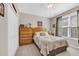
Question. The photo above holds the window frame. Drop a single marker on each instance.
(69, 23)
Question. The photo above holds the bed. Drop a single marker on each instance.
(48, 44)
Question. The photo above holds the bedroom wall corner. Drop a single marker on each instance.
(13, 33)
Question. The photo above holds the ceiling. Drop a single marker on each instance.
(40, 9)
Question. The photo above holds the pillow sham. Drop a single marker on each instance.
(42, 34)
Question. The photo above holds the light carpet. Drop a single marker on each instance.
(32, 50)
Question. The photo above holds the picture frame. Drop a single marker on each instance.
(39, 23)
(53, 25)
(13, 5)
(2, 9)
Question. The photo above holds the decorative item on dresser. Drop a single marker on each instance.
(25, 36)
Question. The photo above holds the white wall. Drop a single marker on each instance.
(13, 33)
(3, 34)
(26, 18)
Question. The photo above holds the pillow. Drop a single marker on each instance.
(42, 34)
(37, 33)
(46, 33)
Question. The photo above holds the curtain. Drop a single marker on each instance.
(58, 26)
(78, 23)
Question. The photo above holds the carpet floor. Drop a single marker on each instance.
(32, 50)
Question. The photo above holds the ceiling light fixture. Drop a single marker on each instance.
(50, 5)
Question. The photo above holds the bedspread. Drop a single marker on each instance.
(49, 43)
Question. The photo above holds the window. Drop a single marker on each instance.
(73, 26)
(65, 22)
(65, 26)
(74, 32)
(68, 26)
(64, 31)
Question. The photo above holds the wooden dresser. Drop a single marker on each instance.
(25, 36)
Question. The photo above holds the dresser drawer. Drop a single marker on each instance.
(25, 32)
(24, 40)
(25, 36)
(29, 41)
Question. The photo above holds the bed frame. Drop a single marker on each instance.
(53, 52)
